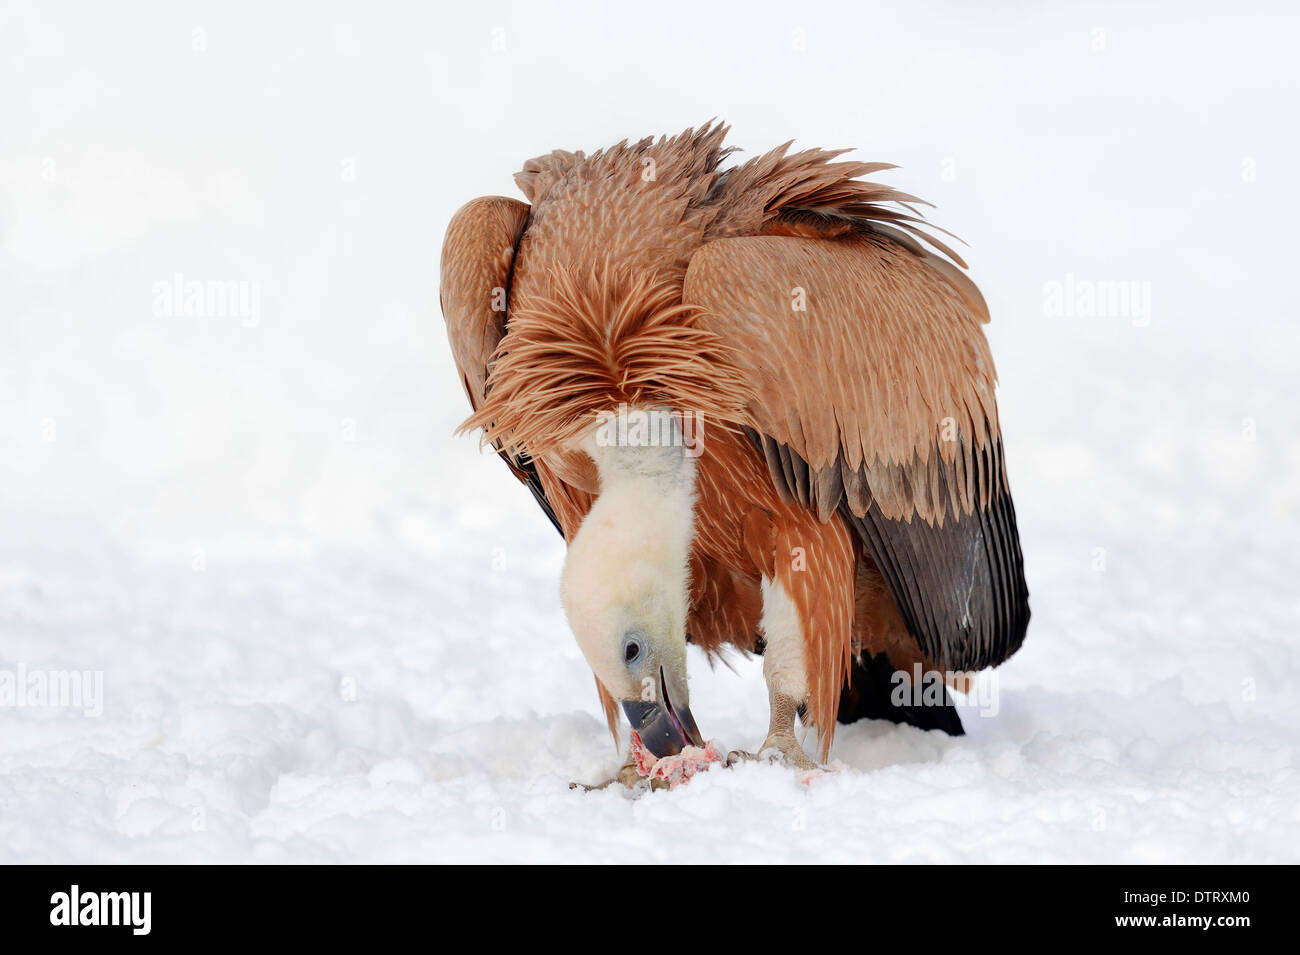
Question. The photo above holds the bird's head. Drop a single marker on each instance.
(625, 585)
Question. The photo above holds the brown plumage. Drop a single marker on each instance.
(851, 450)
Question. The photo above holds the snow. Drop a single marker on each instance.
(329, 631)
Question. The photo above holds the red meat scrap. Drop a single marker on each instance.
(674, 770)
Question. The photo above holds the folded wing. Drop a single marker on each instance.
(874, 399)
(477, 256)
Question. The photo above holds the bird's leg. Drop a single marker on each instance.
(627, 775)
(780, 734)
(785, 670)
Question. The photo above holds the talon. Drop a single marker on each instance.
(597, 787)
(788, 751)
(626, 776)
(737, 756)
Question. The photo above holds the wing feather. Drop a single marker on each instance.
(874, 399)
(477, 257)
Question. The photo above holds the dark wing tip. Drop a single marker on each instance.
(960, 587)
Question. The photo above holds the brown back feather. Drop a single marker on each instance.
(603, 339)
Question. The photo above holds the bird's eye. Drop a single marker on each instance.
(631, 650)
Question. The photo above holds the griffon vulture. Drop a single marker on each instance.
(759, 410)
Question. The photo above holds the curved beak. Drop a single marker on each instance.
(665, 726)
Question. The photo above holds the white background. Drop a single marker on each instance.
(329, 630)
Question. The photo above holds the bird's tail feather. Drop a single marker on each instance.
(873, 693)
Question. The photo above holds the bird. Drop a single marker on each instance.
(757, 402)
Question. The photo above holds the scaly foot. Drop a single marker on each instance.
(787, 751)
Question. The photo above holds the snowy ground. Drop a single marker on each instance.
(329, 631)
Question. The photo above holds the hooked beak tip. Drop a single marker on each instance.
(664, 727)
